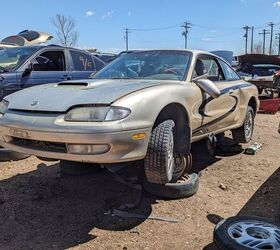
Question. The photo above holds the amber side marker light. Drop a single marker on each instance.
(139, 136)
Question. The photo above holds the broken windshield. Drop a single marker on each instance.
(157, 65)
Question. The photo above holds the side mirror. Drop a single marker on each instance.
(28, 70)
(209, 87)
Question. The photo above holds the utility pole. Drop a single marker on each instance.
(252, 39)
(278, 38)
(271, 37)
(186, 26)
(126, 38)
(264, 33)
(246, 28)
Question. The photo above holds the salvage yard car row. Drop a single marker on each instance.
(145, 105)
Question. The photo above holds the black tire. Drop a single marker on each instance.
(185, 187)
(8, 155)
(45, 159)
(245, 132)
(226, 235)
(159, 160)
(78, 168)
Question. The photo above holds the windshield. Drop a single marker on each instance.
(158, 65)
(12, 57)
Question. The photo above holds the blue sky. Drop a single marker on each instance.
(217, 24)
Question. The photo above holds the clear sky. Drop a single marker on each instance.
(217, 24)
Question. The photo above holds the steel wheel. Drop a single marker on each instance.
(255, 234)
(249, 124)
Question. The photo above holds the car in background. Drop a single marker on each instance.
(25, 38)
(259, 70)
(146, 105)
(27, 66)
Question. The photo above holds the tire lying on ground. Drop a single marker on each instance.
(159, 160)
(186, 186)
(245, 132)
(78, 168)
(8, 155)
(246, 232)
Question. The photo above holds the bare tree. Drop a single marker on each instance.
(258, 48)
(66, 32)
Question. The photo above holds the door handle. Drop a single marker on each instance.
(231, 91)
(66, 77)
(2, 78)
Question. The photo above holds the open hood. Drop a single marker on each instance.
(253, 59)
(27, 38)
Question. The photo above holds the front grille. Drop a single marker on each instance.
(40, 145)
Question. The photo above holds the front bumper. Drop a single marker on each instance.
(46, 142)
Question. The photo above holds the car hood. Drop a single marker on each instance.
(258, 59)
(60, 97)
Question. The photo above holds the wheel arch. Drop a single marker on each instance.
(177, 113)
(253, 104)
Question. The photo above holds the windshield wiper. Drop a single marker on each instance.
(123, 77)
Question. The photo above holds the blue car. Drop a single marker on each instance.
(23, 67)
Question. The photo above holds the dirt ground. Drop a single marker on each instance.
(40, 209)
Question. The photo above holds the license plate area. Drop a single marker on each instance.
(14, 132)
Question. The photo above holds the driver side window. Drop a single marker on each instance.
(50, 61)
(209, 68)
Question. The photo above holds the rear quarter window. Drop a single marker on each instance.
(82, 61)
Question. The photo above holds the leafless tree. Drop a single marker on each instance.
(258, 49)
(66, 32)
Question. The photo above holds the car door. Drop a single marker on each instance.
(8, 83)
(216, 113)
(83, 64)
(49, 66)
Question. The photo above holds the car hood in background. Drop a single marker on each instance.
(60, 97)
(258, 59)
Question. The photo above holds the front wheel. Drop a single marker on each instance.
(245, 132)
(159, 161)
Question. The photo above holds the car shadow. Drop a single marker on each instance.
(263, 203)
(42, 210)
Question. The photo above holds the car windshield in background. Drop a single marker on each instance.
(12, 57)
(157, 65)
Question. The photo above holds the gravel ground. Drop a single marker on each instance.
(42, 209)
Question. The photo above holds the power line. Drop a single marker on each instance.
(264, 33)
(271, 37)
(126, 38)
(185, 33)
(277, 37)
(246, 28)
(159, 28)
(252, 39)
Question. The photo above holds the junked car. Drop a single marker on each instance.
(260, 70)
(147, 105)
(25, 38)
(27, 66)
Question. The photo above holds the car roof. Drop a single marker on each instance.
(193, 51)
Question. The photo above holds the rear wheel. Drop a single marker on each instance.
(159, 161)
(245, 132)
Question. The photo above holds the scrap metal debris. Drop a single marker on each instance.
(125, 214)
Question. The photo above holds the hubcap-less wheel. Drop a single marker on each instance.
(255, 234)
(249, 124)
(170, 157)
